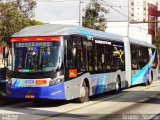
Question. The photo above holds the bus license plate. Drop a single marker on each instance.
(30, 96)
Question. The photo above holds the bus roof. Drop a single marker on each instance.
(141, 42)
(59, 29)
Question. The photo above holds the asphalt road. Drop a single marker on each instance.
(136, 103)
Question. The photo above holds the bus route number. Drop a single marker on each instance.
(29, 82)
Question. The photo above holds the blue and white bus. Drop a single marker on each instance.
(64, 62)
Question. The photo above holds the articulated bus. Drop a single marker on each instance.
(64, 62)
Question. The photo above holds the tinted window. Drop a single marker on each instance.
(109, 56)
(140, 56)
(71, 53)
(100, 47)
(155, 62)
(38, 56)
(118, 56)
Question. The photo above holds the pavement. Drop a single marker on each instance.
(139, 100)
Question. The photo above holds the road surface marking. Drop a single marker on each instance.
(122, 94)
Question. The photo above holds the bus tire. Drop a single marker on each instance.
(84, 93)
(147, 82)
(118, 85)
(151, 80)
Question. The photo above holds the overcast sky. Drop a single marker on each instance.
(49, 10)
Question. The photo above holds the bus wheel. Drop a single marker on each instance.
(118, 85)
(150, 81)
(84, 93)
(147, 82)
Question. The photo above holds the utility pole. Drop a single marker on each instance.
(128, 19)
(80, 13)
(156, 26)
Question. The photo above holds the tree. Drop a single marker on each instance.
(13, 19)
(94, 16)
(26, 7)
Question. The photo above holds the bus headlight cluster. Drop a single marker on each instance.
(55, 81)
(9, 81)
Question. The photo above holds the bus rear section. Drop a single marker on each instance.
(144, 64)
(36, 68)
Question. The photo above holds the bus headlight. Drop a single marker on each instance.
(55, 81)
(9, 81)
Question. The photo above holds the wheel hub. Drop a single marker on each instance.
(117, 85)
(83, 91)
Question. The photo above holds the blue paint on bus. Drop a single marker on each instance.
(142, 75)
(56, 92)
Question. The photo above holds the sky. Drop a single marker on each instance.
(55, 10)
(50, 11)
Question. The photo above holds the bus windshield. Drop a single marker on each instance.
(37, 56)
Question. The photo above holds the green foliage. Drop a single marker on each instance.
(94, 16)
(13, 19)
(26, 7)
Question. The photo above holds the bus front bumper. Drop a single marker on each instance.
(55, 92)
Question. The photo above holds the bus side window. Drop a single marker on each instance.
(108, 57)
(155, 62)
(71, 53)
(134, 54)
(134, 64)
(80, 55)
(118, 56)
(90, 55)
(84, 55)
(100, 56)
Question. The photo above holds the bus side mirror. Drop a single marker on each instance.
(5, 52)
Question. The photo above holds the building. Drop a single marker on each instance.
(145, 11)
